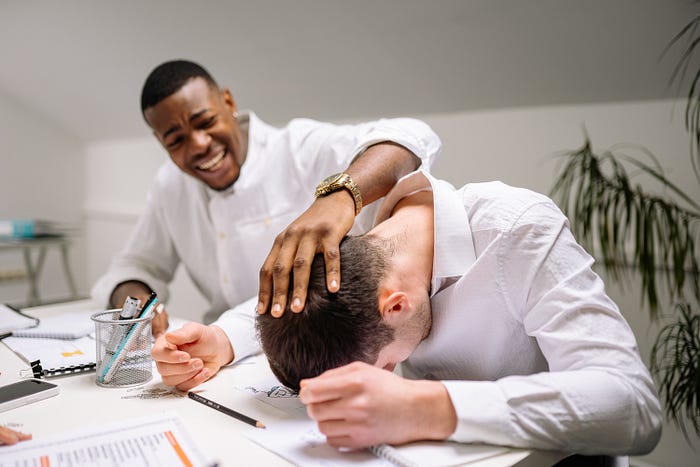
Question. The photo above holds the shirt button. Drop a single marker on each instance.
(225, 279)
(268, 221)
(222, 235)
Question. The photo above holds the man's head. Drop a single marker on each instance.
(194, 121)
(354, 324)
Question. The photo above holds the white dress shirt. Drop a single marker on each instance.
(530, 348)
(222, 237)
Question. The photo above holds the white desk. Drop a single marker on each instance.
(81, 402)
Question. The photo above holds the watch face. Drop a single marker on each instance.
(331, 179)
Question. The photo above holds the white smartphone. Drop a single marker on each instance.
(25, 392)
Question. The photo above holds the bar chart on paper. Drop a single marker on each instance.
(160, 440)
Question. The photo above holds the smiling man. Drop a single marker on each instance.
(235, 203)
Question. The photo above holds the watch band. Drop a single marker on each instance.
(337, 182)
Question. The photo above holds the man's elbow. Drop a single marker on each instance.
(647, 431)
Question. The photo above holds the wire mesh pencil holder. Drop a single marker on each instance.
(123, 349)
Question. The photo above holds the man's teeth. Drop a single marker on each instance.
(212, 163)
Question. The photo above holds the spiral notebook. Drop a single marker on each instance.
(11, 319)
(299, 441)
(71, 325)
(54, 357)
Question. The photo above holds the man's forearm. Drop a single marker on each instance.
(378, 168)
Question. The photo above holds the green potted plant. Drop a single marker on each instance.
(630, 228)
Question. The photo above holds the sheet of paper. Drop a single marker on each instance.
(148, 441)
(268, 390)
(300, 442)
(10, 320)
(70, 325)
(54, 353)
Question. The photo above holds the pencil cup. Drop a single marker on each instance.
(123, 349)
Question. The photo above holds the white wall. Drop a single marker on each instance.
(516, 146)
(41, 176)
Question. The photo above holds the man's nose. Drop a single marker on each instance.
(199, 141)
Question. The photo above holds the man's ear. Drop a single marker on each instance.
(393, 306)
(228, 99)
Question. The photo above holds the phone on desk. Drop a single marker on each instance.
(25, 392)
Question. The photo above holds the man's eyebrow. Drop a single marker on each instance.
(196, 115)
(193, 117)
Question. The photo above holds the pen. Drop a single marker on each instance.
(226, 410)
(147, 305)
(129, 309)
(115, 361)
(131, 305)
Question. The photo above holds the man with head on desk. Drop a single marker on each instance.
(492, 308)
(236, 189)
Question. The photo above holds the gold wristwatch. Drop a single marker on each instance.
(337, 182)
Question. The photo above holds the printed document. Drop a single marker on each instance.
(160, 440)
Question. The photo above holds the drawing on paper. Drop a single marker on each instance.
(276, 392)
(152, 393)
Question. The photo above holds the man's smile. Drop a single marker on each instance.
(213, 163)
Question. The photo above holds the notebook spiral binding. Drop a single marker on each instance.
(389, 453)
(39, 372)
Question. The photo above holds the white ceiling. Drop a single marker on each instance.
(82, 62)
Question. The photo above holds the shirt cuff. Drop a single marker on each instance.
(482, 414)
(239, 326)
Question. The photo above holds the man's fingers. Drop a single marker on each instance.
(10, 436)
(280, 273)
(342, 442)
(302, 271)
(196, 380)
(323, 389)
(159, 323)
(331, 256)
(335, 409)
(178, 372)
(187, 334)
(265, 288)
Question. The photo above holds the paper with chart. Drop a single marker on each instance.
(147, 441)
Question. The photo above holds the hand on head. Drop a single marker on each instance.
(191, 355)
(318, 230)
(10, 436)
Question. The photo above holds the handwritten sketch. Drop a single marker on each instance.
(274, 391)
(155, 392)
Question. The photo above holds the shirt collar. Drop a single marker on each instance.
(454, 250)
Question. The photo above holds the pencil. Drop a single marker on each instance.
(226, 410)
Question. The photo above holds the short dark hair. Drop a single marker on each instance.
(167, 78)
(334, 328)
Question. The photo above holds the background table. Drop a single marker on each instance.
(34, 263)
(82, 402)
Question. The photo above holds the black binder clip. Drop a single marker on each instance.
(37, 370)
